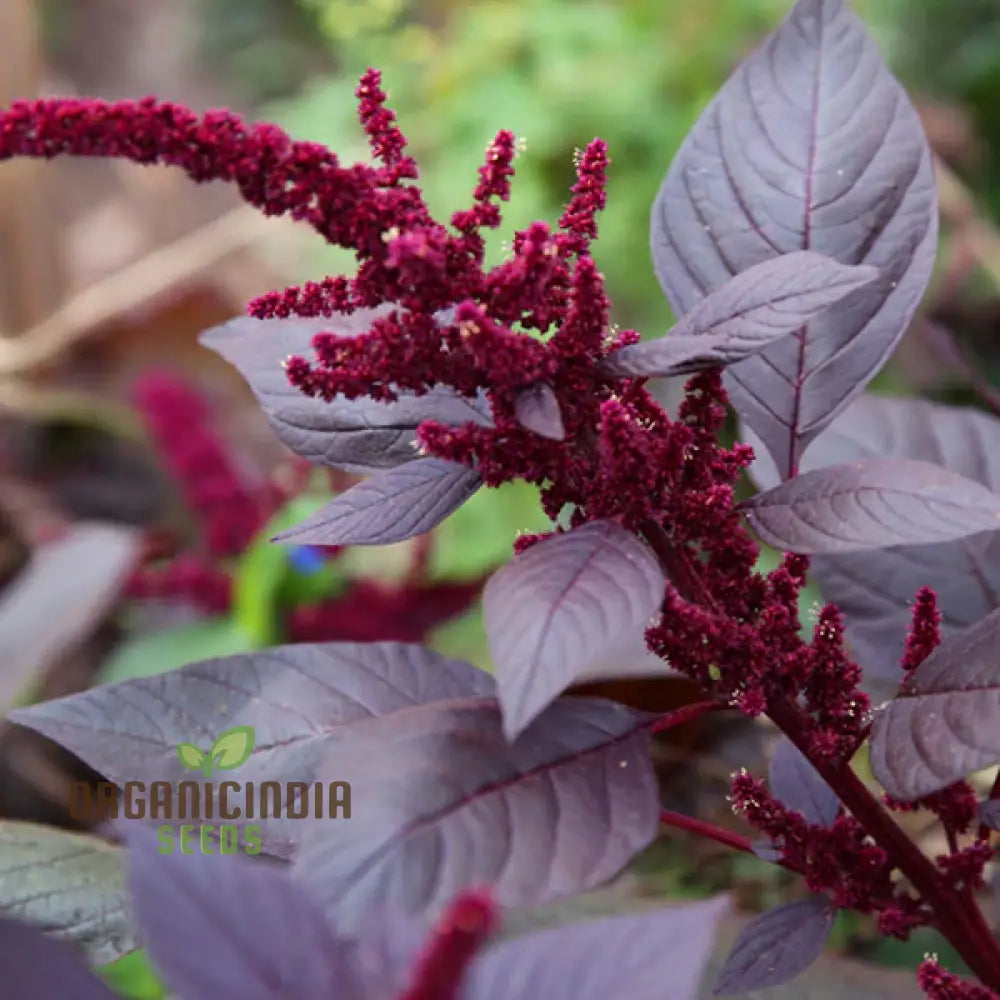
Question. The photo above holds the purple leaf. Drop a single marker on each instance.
(442, 801)
(871, 505)
(766, 851)
(560, 608)
(797, 785)
(945, 723)
(759, 306)
(391, 506)
(648, 956)
(218, 926)
(777, 946)
(875, 589)
(295, 697)
(33, 966)
(537, 409)
(64, 591)
(360, 435)
(989, 813)
(811, 145)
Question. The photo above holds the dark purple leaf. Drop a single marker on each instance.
(989, 813)
(294, 696)
(766, 851)
(945, 722)
(647, 956)
(64, 591)
(777, 946)
(360, 435)
(560, 607)
(871, 504)
(537, 409)
(224, 926)
(875, 589)
(797, 785)
(442, 801)
(35, 967)
(811, 145)
(72, 885)
(759, 306)
(391, 506)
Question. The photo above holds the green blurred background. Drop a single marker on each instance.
(559, 72)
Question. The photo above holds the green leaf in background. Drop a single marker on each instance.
(463, 638)
(479, 536)
(168, 649)
(263, 571)
(328, 579)
(71, 885)
(133, 978)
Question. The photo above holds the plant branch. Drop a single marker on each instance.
(688, 713)
(681, 822)
(677, 563)
(960, 923)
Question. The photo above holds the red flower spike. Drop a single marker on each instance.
(314, 298)
(956, 806)
(589, 197)
(839, 860)
(458, 937)
(187, 579)
(925, 630)
(386, 140)
(965, 867)
(178, 420)
(939, 984)
(494, 182)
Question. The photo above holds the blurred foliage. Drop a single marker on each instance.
(147, 654)
(349, 20)
(951, 51)
(133, 978)
(267, 49)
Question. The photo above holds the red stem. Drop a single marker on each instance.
(454, 944)
(963, 925)
(678, 565)
(688, 713)
(955, 915)
(681, 822)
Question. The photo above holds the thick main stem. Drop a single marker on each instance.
(961, 923)
(956, 916)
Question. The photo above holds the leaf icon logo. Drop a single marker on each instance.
(231, 749)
